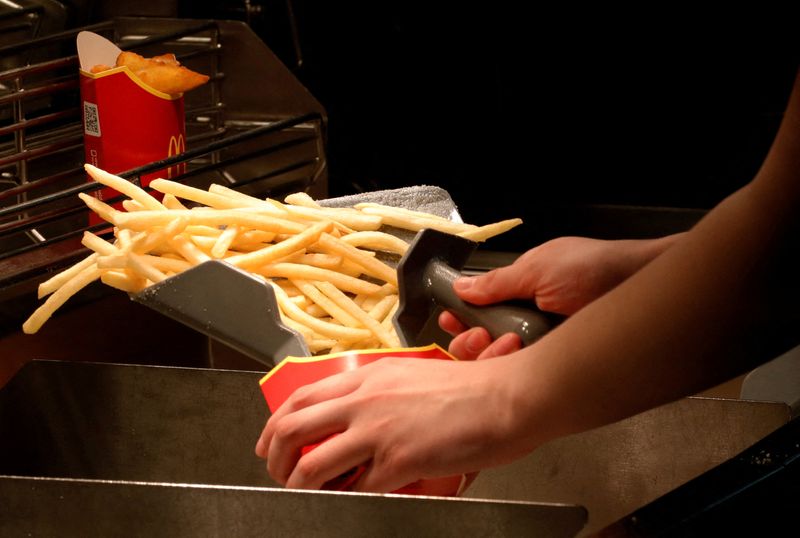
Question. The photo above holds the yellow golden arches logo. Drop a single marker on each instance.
(177, 145)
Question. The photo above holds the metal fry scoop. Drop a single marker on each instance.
(229, 305)
(241, 311)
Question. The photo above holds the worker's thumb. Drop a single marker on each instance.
(497, 285)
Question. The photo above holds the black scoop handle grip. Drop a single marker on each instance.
(501, 318)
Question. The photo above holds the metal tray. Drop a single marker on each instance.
(91, 449)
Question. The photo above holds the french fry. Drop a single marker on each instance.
(296, 270)
(224, 241)
(148, 242)
(323, 261)
(146, 270)
(59, 297)
(162, 263)
(329, 306)
(490, 230)
(387, 321)
(123, 186)
(124, 239)
(184, 246)
(351, 219)
(350, 268)
(301, 199)
(105, 211)
(301, 300)
(98, 244)
(413, 220)
(170, 201)
(122, 280)
(290, 289)
(317, 345)
(143, 220)
(371, 265)
(284, 248)
(202, 230)
(409, 213)
(257, 236)
(377, 241)
(179, 190)
(112, 261)
(132, 205)
(304, 331)
(385, 336)
(341, 347)
(245, 200)
(53, 283)
(368, 303)
(337, 332)
(382, 308)
(166, 263)
(316, 310)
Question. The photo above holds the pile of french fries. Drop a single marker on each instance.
(331, 285)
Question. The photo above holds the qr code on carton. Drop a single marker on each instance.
(91, 119)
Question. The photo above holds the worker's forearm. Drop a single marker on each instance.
(713, 305)
(690, 319)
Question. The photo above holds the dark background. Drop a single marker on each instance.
(572, 118)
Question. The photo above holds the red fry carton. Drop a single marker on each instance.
(294, 372)
(126, 123)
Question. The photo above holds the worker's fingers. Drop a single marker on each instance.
(290, 433)
(476, 343)
(306, 396)
(331, 465)
(507, 343)
(451, 324)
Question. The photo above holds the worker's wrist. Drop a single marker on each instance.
(645, 251)
(526, 422)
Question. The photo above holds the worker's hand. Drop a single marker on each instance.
(560, 276)
(403, 419)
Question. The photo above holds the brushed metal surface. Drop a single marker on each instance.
(37, 507)
(89, 449)
(614, 469)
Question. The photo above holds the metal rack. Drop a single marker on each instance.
(253, 127)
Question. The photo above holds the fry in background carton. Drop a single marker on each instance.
(133, 111)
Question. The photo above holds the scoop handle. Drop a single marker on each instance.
(501, 318)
